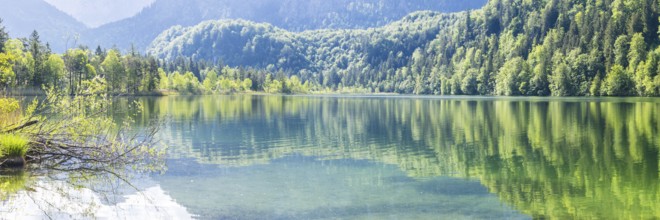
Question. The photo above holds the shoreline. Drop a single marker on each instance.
(165, 93)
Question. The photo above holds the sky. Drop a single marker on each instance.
(94, 13)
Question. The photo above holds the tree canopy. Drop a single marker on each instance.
(549, 47)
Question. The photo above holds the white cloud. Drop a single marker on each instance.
(94, 13)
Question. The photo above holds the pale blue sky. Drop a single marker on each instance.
(94, 13)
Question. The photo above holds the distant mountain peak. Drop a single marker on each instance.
(292, 15)
(95, 13)
(54, 26)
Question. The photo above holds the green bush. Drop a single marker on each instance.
(8, 111)
(13, 145)
(617, 82)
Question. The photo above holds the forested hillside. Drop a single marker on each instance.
(292, 15)
(509, 47)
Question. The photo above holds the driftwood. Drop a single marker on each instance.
(78, 132)
(93, 151)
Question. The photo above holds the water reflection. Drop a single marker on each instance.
(547, 158)
(11, 182)
(40, 194)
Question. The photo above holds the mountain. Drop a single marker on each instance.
(54, 26)
(292, 15)
(94, 13)
(262, 45)
(509, 47)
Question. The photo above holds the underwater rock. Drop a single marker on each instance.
(12, 162)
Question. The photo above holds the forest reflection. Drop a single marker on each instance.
(548, 158)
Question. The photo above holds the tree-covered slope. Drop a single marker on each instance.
(261, 45)
(509, 47)
(22, 17)
(292, 15)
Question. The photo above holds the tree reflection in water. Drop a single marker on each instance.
(549, 158)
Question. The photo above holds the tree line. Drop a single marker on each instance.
(509, 47)
(29, 63)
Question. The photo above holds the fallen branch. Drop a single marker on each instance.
(25, 125)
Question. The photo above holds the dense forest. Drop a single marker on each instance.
(28, 65)
(509, 47)
(63, 31)
(292, 15)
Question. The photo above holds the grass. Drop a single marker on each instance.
(12, 145)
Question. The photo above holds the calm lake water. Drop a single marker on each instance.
(307, 157)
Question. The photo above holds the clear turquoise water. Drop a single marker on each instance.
(350, 157)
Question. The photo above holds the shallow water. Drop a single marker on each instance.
(352, 157)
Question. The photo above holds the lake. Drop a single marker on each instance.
(372, 157)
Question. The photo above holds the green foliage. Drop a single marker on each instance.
(4, 36)
(595, 88)
(83, 127)
(294, 85)
(8, 112)
(12, 145)
(508, 79)
(559, 80)
(291, 85)
(247, 84)
(211, 81)
(506, 48)
(55, 66)
(637, 51)
(8, 105)
(477, 52)
(272, 86)
(113, 70)
(617, 82)
(182, 83)
(7, 75)
(292, 15)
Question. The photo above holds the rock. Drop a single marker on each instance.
(13, 162)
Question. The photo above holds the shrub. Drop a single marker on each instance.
(617, 82)
(8, 110)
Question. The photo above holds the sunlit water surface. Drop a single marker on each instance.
(349, 157)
